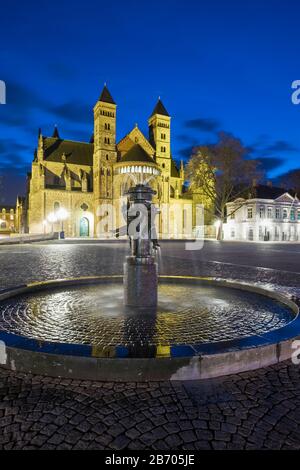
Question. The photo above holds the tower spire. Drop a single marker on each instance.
(160, 109)
(55, 133)
(105, 96)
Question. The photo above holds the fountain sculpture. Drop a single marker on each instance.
(184, 328)
(140, 268)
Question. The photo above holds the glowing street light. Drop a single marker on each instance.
(52, 219)
(62, 214)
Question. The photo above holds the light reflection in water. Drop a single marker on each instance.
(185, 314)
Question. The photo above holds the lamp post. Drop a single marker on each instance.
(61, 215)
(52, 219)
(44, 225)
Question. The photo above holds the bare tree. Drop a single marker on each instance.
(222, 172)
(291, 180)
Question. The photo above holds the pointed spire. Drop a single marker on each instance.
(92, 139)
(160, 109)
(39, 132)
(55, 133)
(105, 96)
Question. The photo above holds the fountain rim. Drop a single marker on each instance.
(222, 357)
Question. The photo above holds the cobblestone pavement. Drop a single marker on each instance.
(253, 410)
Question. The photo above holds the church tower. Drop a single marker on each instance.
(160, 138)
(105, 154)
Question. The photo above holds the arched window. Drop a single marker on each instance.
(56, 206)
(106, 157)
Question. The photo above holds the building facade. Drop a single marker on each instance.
(270, 214)
(84, 181)
(8, 223)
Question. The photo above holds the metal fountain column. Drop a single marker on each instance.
(140, 268)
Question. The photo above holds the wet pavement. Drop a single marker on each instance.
(252, 410)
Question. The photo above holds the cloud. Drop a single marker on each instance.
(186, 152)
(203, 124)
(21, 96)
(186, 138)
(73, 112)
(270, 163)
(263, 147)
(281, 146)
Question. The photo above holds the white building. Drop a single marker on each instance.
(270, 214)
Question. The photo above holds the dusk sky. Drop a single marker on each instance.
(217, 65)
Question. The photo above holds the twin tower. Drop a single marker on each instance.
(107, 152)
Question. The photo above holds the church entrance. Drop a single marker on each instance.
(84, 227)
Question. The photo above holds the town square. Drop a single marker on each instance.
(149, 229)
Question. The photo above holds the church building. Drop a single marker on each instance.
(73, 185)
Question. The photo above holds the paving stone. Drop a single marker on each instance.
(120, 443)
(254, 410)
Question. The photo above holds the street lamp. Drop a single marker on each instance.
(52, 219)
(44, 225)
(61, 215)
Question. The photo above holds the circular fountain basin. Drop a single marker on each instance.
(201, 328)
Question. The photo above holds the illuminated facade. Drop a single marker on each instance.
(87, 179)
(271, 215)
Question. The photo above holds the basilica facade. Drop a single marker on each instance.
(87, 181)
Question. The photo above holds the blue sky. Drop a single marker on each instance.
(217, 65)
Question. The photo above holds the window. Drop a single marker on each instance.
(163, 136)
(292, 215)
(261, 212)
(250, 234)
(284, 213)
(106, 157)
(249, 213)
(232, 215)
(163, 165)
(3, 225)
(56, 180)
(106, 140)
(277, 213)
(232, 233)
(270, 212)
(56, 206)
(107, 127)
(298, 215)
(163, 149)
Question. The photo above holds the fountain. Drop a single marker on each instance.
(151, 328)
(140, 268)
